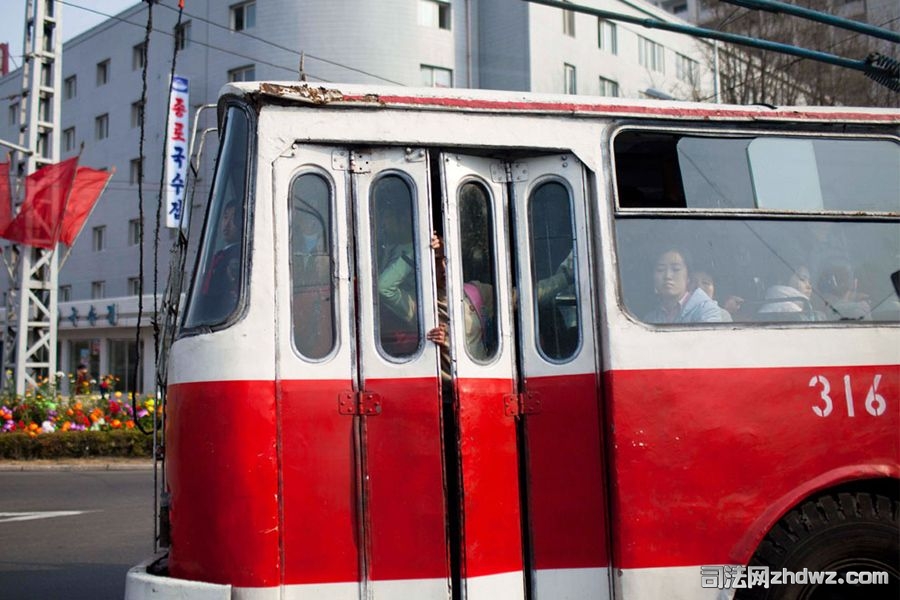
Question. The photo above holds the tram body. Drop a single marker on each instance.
(585, 451)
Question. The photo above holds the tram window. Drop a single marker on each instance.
(553, 270)
(801, 174)
(479, 277)
(221, 264)
(396, 267)
(312, 303)
(762, 271)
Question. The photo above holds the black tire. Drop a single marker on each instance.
(846, 532)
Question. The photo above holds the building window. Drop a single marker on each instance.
(103, 72)
(685, 68)
(608, 87)
(134, 232)
(182, 35)
(137, 111)
(124, 363)
(568, 23)
(137, 57)
(98, 238)
(98, 290)
(134, 286)
(69, 139)
(436, 76)
(43, 145)
(101, 127)
(14, 113)
(135, 170)
(434, 13)
(70, 87)
(65, 293)
(650, 55)
(569, 83)
(247, 73)
(607, 36)
(243, 16)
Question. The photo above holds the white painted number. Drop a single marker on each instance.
(875, 402)
(826, 387)
(848, 394)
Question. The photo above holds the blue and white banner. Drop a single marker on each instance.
(177, 154)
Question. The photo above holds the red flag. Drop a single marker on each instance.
(89, 184)
(5, 199)
(39, 219)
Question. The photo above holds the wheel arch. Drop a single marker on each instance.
(882, 478)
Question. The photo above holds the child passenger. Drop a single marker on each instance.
(706, 282)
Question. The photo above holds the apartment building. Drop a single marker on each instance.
(488, 44)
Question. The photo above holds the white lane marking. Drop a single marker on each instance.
(9, 517)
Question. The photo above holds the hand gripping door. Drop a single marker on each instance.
(559, 398)
(403, 504)
(315, 367)
(482, 348)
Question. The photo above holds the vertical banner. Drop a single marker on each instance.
(177, 154)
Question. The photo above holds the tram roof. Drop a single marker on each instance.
(469, 100)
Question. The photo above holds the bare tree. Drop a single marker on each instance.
(751, 75)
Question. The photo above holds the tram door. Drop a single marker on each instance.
(483, 370)
(364, 509)
(527, 385)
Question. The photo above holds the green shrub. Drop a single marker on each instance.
(125, 443)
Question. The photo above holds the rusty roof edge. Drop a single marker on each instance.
(308, 94)
(527, 102)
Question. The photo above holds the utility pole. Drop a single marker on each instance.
(30, 336)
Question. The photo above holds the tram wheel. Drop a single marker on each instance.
(842, 533)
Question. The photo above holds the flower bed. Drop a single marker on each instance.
(45, 424)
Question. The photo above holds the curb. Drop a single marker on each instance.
(84, 464)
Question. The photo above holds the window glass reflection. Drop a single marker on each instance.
(312, 302)
(396, 267)
(220, 271)
(759, 271)
(479, 279)
(553, 270)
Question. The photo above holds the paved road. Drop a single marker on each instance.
(76, 556)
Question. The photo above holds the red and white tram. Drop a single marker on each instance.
(604, 433)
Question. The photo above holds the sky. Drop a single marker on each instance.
(77, 16)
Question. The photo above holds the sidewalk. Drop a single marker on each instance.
(78, 464)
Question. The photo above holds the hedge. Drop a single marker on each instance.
(123, 443)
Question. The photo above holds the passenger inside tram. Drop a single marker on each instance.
(312, 302)
(396, 267)
(838, 289)
(791, 294)
(704, 280)
(222, 279)
(676, 303)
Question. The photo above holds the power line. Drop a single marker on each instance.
(168, 34)
(285, 48)
(796, 60)
(231, 52)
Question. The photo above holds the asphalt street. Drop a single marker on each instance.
(73, 534)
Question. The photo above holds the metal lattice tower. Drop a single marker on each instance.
(30, 337)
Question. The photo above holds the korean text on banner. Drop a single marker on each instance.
(177, 154)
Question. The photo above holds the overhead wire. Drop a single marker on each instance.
(291, 69)
(796, 60)
(287, 49)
